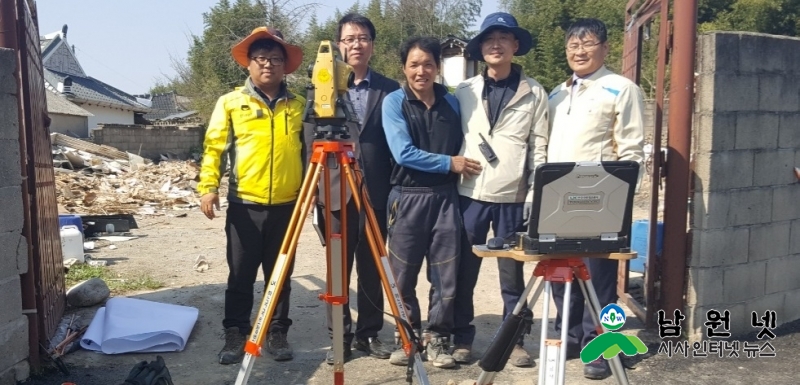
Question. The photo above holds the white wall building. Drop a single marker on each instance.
(65, 77)
(457, 66)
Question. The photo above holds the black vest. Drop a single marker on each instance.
(436, 130)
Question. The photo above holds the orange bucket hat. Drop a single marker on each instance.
(294, 53)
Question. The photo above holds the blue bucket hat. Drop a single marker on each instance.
(500, 20)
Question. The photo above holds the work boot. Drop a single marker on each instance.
(520, 358)
(597, 369)
(278, 347)
(462, 353)
(233, 351)
(438, 351)
(348, 352)
(372, 346)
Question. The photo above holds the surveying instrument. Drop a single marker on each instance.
(580, 210)
(330, 110)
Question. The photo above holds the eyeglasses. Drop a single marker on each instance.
(261, 60)
(587, 46)
(361, 39)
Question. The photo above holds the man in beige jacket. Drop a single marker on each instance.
(504, 119)
(596, 115)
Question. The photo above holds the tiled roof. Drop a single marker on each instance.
(92, 90)
(57, 104)
(452, 39)
(48, 45)
(167, 105)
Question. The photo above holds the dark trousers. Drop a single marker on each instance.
(370, 288)
(426, 222)
(255, 233)
(505, 219)
(603, 273)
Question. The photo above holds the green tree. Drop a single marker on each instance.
(397, 20)
(161, 88)
(777, 17)
(548, 21)
(209, 70)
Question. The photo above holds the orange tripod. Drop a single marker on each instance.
(327, 154)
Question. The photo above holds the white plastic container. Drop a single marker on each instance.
(72, 243)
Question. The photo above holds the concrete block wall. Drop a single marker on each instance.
(650, 121)
(745, 216)
(151, 141)
(13, 246)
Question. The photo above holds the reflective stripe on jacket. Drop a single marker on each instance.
(264, 147)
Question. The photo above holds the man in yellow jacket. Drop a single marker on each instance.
(259, 127)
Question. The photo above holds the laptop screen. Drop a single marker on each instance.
(583, 202)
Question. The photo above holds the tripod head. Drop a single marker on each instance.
(328, 105)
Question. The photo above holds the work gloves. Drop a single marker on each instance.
(154, 373)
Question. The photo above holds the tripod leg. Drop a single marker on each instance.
(503, 342)
(336, 253)
(279, 275)
(499, 350)
(336, 290)
(562, 359)
(543, 336)
(380, 256)
(594, 305)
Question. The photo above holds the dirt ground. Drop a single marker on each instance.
(168, 246)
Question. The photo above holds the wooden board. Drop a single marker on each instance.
(519, 255)
(101, 150)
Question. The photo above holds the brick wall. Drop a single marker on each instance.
(13, 247)
(745, 219)
(150, 140)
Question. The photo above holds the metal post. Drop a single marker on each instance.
(651, 274)
(680, 125)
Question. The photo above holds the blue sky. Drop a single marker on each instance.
(128, 44)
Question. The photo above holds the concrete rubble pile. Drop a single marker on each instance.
(100, 182)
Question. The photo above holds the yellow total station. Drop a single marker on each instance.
(330, 82)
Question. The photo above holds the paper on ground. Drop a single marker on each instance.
(127, 325)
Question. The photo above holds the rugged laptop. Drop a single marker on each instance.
(583, 207)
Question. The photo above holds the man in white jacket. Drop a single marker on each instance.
(596, 115)
(505, 121)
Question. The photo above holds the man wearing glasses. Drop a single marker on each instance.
(596, 115)
(355, 37)
(258, 126)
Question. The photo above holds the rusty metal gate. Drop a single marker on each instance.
(41, 217)
(668, 270)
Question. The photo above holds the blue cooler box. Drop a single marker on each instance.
(639, 232)
(70, 219)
